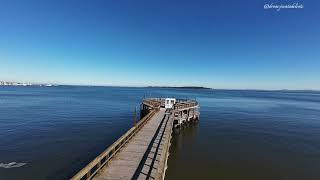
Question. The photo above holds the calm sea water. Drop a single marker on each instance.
(241, 134)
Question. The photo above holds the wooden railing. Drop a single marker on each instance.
(161, 171)
(154, 103)
(180, 103)
(186, 104)
(104, 158)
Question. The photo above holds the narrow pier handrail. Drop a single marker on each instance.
(161, 171)
(100, 161)
(180, 103)
(153, 102)
(188, 104)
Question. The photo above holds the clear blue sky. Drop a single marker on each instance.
(219, 44)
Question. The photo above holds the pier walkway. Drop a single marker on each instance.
(143, 151)
(125, 164)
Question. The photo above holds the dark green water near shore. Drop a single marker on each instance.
(247, 135)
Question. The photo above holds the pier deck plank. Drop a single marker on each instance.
(126, 162)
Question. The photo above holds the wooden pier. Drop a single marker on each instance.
(142, 152)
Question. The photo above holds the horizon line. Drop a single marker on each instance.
(160, 86)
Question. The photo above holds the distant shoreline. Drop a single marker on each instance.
(21, 84)
(6, 83)
(179, 87)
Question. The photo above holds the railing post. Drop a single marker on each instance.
(135, 116)
(88, 175)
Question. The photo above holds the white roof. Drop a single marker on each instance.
(170, 98)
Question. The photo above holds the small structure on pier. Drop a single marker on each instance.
(184, 110)
(169, 102)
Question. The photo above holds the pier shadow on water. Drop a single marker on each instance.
(184, 135)
(182, 139)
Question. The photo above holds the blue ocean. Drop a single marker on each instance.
(52, 132)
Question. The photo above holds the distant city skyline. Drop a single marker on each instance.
(216, 44)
